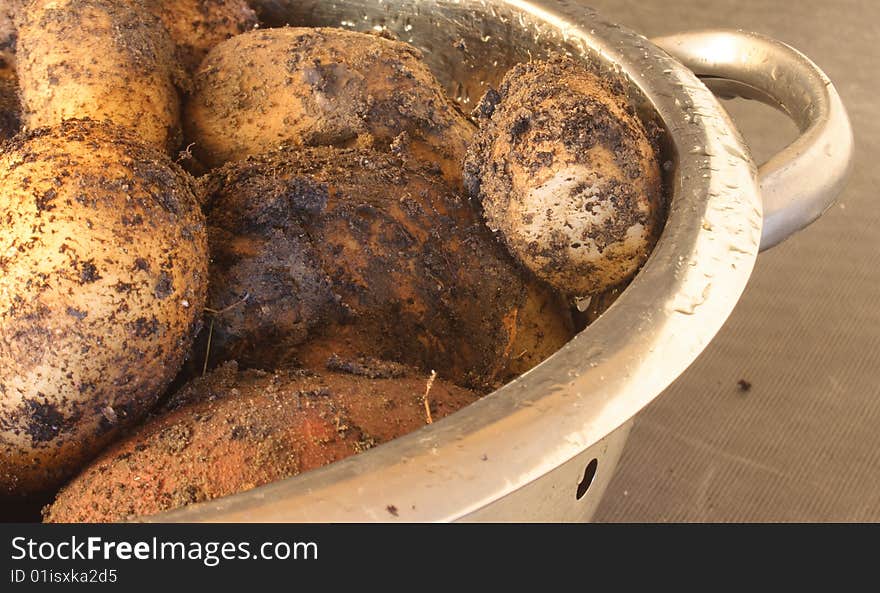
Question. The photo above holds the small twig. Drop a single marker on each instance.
(217, 313)
(208, 349)
(509, 321)
(186, 154)
(520, 355)
(512, 338)
(214, 313)
(428, 419)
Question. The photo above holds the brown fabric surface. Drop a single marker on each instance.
(803, 444)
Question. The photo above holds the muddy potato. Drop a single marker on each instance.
(103, 272)
(322, 87)
(196, 26)
(8, 33)
(10, 106)
(322, 251)
(568, 175)
(99, 59)
(233, 431)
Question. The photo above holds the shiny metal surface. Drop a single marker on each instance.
(519, 453)
(801, 182)
(554, 497)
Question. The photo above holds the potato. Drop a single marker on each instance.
(198, 25)
(568, 175)
(103, 255)
(233, 431)
(10, 106)
(321, 251)
(322, 87)
(9, 9)
(99, 59)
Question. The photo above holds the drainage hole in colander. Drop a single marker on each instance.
(589, 474)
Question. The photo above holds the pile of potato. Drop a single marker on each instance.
(231, 254)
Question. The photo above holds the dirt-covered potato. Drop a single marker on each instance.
(322, 251)
(196, 26)
(10, 106)
(99, 59)
(8, 33)
(568, 175)
(322, 87)
(103, 273)
(233, 431)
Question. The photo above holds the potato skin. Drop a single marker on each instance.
(196, 26)
(233, 431)
(103, 273)
(321, 251)
(322, 87)
(9, 9)
(10, 106)
(568, 175)
(99, 59)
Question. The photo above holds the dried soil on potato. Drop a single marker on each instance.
(103, 275)
(196, 26)
(232, 431)
(322, 87)
(99, 59)
(567, 175)
(10, 105)
(350, 252)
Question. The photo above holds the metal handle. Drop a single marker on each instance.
(800, 183)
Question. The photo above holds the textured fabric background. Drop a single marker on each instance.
(804, 443)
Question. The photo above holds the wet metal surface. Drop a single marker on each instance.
(533, 428)
(802, 444)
